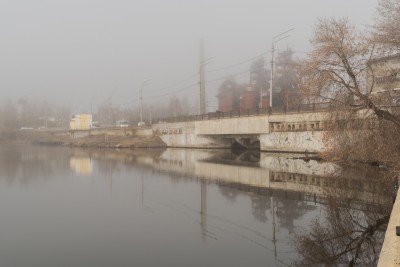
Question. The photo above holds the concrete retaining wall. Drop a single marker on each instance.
(194, 141)
(306, 141)
(183, 134)
(390, 252)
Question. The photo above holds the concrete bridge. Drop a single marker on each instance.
(296, 131)
(288, 132)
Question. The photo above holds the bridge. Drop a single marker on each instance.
(280, 131)
(300, 130)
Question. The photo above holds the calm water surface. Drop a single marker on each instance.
(72, 207)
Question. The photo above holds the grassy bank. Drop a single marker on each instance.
(62, 138)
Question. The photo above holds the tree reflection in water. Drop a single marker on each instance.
(289, 209)
(347, 233)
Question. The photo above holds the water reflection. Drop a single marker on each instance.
(344, 236)
(236, 201)
(23, 164)
(81, 166)
(356, 200)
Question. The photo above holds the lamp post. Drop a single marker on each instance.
(275, 40)
(109, 109)
(141, 101)
(91, 105)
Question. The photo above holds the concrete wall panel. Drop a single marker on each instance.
(292, 142)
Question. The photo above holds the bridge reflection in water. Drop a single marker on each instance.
(282, 189)
(245, 208)
(268, 171)
(357, 198)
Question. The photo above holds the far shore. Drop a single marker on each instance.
(62, 138)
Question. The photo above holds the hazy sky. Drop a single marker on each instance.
(80, 52)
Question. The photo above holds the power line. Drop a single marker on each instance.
(237, 64)
(179, 90)
(128, 100)
(209, 71)
(174, 84)
(294, 51)
(184, 88)
(230, 75)
(135, 98)
(194, 84)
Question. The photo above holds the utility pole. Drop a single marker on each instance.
(109, 111)
(272, 62)
(176, 108)
(151, 115)
(141, 101)
(202, 95)
(202, 84)
(272, 78)
(141, 105)
(91, 105)
(261, 98)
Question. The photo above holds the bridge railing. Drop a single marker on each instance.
(247, 113)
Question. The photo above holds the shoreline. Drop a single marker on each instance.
(49, 138)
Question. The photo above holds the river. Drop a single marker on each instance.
(179, 207)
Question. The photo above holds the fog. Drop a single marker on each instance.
(86, 52)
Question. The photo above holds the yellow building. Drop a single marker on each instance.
(81, 121)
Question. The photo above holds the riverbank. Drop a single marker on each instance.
(62, 138)
(112, 141)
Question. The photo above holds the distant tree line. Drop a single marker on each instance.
(26, 114)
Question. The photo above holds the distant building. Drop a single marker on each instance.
(256, 94)
(81, 122)
(249, 98)
(386, 73)
(384, 79)
(229, 96)
(225, 101)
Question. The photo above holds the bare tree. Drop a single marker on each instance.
(338, 66)
(387, 27)
(340, 72)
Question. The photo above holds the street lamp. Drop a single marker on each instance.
(275, 40)
(141, 101)
(109, 109)
(91, 105)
